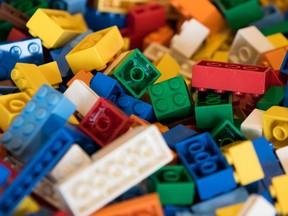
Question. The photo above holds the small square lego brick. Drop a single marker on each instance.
(52, 73)
(82, 75)
(279, 191)
(278, 40)
(274, 58)
(282, 154)
(161, 36)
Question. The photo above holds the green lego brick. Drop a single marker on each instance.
(210, 108)
(237, 123)
(28, 6)
(5, 28)
(281, 27)
(135, 73)
(174, 185)
(239, 13)
(171, 100)
(272, 97)
(225, 133)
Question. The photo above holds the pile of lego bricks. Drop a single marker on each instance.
(91, 91)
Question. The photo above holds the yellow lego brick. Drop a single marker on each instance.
(95, 50)
(10, 106)
(278, 40)
(27, 206)
(221, 56)
(242, 156)
(275, 125)
(126, 45)
(28, 78)
(55, 27)
(73, 120)
(229, 210)
(279, 191)
(52, 73)
(117, 60)
(167, 66)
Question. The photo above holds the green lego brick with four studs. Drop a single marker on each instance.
(272, 97)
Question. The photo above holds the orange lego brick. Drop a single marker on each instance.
(162, 128)
(144, 205)
(274, 58)
(137, 121)
(81, 75)
(161, 36)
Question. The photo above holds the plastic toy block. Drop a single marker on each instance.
(116, 168)
(10, 106)
(284, 66)
(162, 36)
(97, 20)
(148, 204)
(170, 210)
(167, 66)
(133, 192)
(82, 96)
(277, 78)
(105, 122)
(282, 156)
(24, 135)
(28, 78)
(186, 70)
(275, 125)
(177, 134)
(252, 126)
(27, 206)
(211, 108)
(278, 40)
(246, 171)
(4, 175)
(57, 27)
(174, 185)
(30, 7)
(51, 73)
(72, 6)
(60, 213)
(281, 27)
(205, 163)
(135, 41)
(170, 99)
(131, 105)
(82, 75)
(105, 86)
(48, 155)
(209, 207)
(285, 102)
(238, 77)
(74, 159)
(249, 46)
(220, 56)
(5, 28)
(192, 35)
(16, 35)
(134, 72)
(279, 192)
(233, 12)
(154, 51)
(229, 210)
(272, 97)
(95, 50)
(225, 133)
(26, 51)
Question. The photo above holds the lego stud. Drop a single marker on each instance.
(16, 105)
(161, 105)
(208, 167)
(179, 99)
(171, 176)
(102, 123)
(15, 74)
(225, 141)
(280, 132)
(195, 148)
(15, 51)
(202, 157)
(137, 74)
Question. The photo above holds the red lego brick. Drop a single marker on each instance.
(16, 35)
(276, 79)
(246, 102)
(105, 122)
(230, 77)
(60, 213)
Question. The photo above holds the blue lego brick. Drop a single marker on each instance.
(72, 6)
(177, 134)
(272, 15)
(285, 101)
(8, 90)
(97, 20)
(45, 159)
(106, 86)
(48, 110)
(208, 207)
(204, 161)
(25, 51)
(4, 174)
(177, 210)
(131, 105)
(284, 66)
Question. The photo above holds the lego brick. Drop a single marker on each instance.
(92, 52)
(282, 156)
(161, 36)
(30, 7)
(249, 46)
(133, 192)
(16, 35)
(279, 192)
(154, 51)
(170, 99)
(56, 28)
(26, 207)
(51, 73)
(82, 75)
(252, 126)
(170, 210)
(210, 108)
(24, 135)
(246, 171)
(122, 164)
(275, 58)
(174, 185)
(281, 27)
(4, 174)
(225, 133)
(105, 122)
(26, 51)
(186, 69)
(230, 77)
(284, 66)
(229, 210)
(285, 102)
(192, 35)
(72, 6)
(272, 97)
(277, 78)
(278, 40)
(82, 96)
(205, 163)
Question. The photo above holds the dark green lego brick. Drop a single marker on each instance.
(225, 133)
(5, 28)
(28, 6)
(174, 185)
(237, 123)
(239, 13)
(135, 73)
(211, 108)
(281, 27)
(272, 97)
(171, 100)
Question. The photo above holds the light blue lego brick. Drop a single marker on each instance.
(72, 6)
(4, 174)
(25, 51)
(47, 111)
(45, 159)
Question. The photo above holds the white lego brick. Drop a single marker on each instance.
(257, 205)
(248, 46)
(117, 167)
(252, 127)
(192, 35)
(282, 154)
(155, 51)
(82, 96)
(74, 159)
